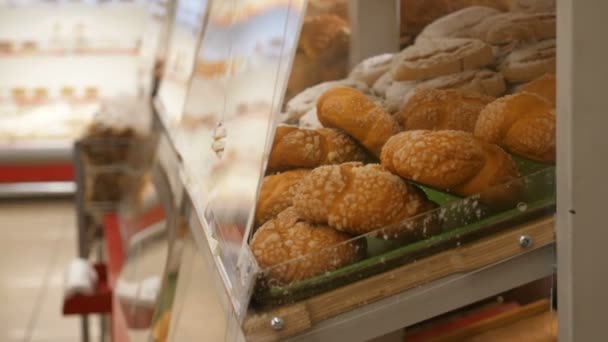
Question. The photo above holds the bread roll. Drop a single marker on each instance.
(543, 86)
(324, 37)
(351, 111)
(397, 95)
(356, 198)
(436, 109)
(523, 124)
(431, 58)
(453, 161)
(302, 148)
(382, 83)
(457, 24)
(336, 7)
(508, 28)
(370, 70)
(276, 194)
(307, 100)
(304, 73)
(483, 81)
(529, 62)
(313, 249)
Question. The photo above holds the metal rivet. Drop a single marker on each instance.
(276, 323)
(525, 241)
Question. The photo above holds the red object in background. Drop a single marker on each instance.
(98, 302)
(36, 173)
(116, 258)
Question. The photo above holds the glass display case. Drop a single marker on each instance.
(336, 179)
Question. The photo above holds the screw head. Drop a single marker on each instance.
(277, 323)
(525, 241)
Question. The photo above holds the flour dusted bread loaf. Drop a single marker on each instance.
(324, 37)
(397, 94)
(511, 28)
(431, 58)
(438, 109)
(484, 81)
(523, 124)
(544, 86)
(453, 161)
(351, 111)
(533, 6)
(529, 62)
(318, 248)
(277, 193)
(457, 24)
(303, 148)
(370, 70)
(357, 198)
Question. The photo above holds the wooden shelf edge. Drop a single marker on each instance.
(486, 252)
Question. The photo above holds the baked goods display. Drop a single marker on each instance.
(522, 123)
(351, 111)
(438, 109)
(302, 148)
(374, 154)
(317, 249)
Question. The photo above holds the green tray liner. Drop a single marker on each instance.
(544, 203)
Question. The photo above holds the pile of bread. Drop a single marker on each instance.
(448, 112)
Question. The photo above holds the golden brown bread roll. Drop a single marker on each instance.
(351, 111)
(319, 248)
(430, 58)
(438, 109)
(523, 124)
(453, 161)
(277, 194)
(543, 86)
(324, 37)
(304, 73)
(303, 148)
(357, 198)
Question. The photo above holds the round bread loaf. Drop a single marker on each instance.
(457, 24)
(544, 86)
(509, 28)
(523, 124)
(291, 249)
(438, 109)
(453, 161)
(529, 62)
(276, 194)
(371, 69)
(304, 148)
(357, 198)
(431, 58)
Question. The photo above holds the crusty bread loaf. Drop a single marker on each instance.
(438, 109)
(529, 62)
(324, 37)
(312, 249)
(303, 148)
(523, 124)
(307, 100)
(509, 28)
(357, 198)
(431, 58)
(351, 111)
(544, 86)
(371, 69)
(277, 194)
(453, 161)
(457, 24)
(482, 81)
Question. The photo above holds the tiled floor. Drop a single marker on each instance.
(37, 240)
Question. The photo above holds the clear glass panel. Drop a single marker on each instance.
(183, 45)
